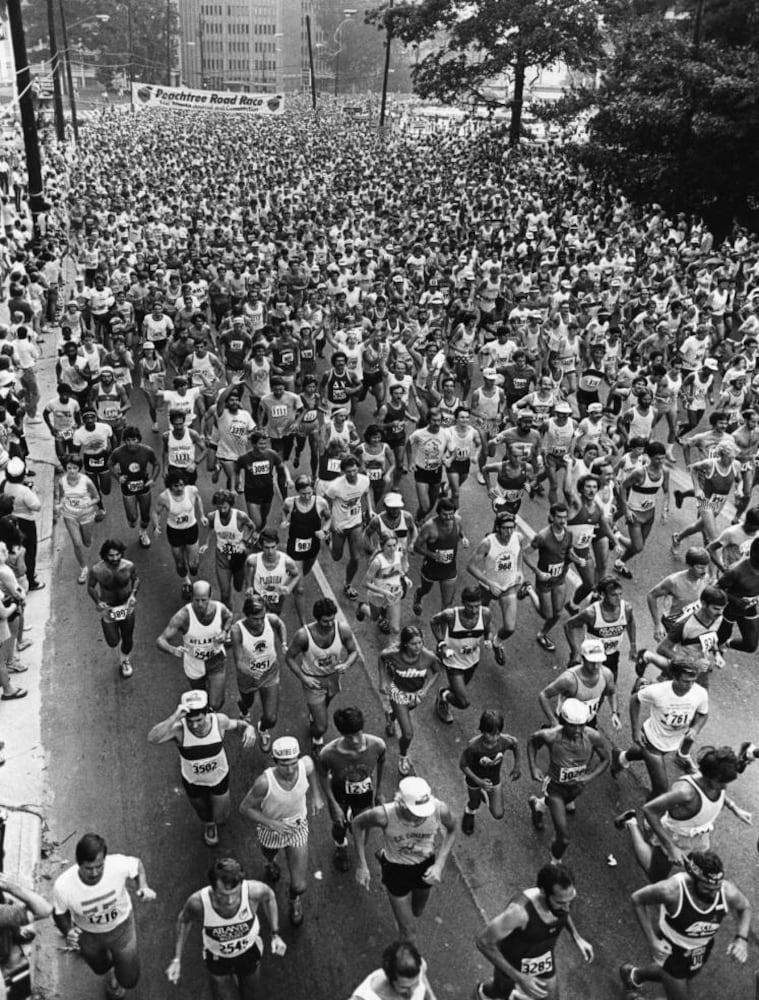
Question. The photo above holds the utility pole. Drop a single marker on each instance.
(26, 108)
(386, 71)
(69, 76)
(60, 122)
(312, 75)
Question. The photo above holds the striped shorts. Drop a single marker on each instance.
(275, 840)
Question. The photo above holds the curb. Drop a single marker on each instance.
(23, 843)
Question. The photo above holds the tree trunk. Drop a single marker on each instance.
(515, 125)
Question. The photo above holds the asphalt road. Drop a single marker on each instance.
(104, 776)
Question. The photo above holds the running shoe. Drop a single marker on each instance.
(389, 724)
(621, 569)
(745, 755)
(272, 872)
(154, 428)
(443, 709)
(500, 656)
(360, 612)
(211, 835)
(126, 668)
(536, 813)
(626, 972)
(621, 821)
(145, 539)
(83, 574)
(404, 766)
(264, 740)
(616, 765)
(417, 604)
(467, 823)
(641, 662)
(215, 475)
(523, 591)
(545, 642)
(350, 592)
(296, 911)
(186, 591)
(480, 477)
(317, 744)
(100, 515)
(678, 495)
(113, 988)
(675, 543)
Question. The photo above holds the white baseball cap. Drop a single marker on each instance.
(593, 650)
(194, 701)
(416, 796)
(285, 748)
(574, 712)
(393, 500)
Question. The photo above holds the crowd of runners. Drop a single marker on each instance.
(262, 351)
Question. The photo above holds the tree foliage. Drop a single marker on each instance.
(676, 118)
(102, 29)
(492, 42)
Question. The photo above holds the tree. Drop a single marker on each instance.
(676, 118)
(484, 43)
(128, 35)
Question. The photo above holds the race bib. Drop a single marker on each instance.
(572, 773)
(374, 474)
(541, 965)
(555, 569)
(308, 417)
(303, 544)
(203, 767)
(677, 720)
(333, 465)
(709, 642)
(96, 461)
(110, 412)
(260, 468)
(181, 518)
(445, 555)
(135, 485)
(279, 411)
(358, 787)
(118, 614)
(67, 433)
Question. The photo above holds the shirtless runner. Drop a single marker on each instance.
(113, 584)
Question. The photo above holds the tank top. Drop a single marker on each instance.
(229, 937)
(512, 486)
(233, 430)
(531, 948)
(388, 575)
(201, 642)
(448, 411)
(501, 560)
(404, 843)
(642, 496)
(484, 405)
(641, 424)
(303, 527)
(557, 439)
(373, 464)
(400, 531)
(200, 367)
(693, 925)
(590, 380)
(463, 642)
(181, 514)
(181, 451)
(569, 758)
(321, 661)
(76, 496)
(260, 651)
(270, 583)
(374, 987)
(588, 694)
(108, 404)
(446, 545)
(203, 759)
(286, 803)
(229, 536)
(716, 483)
(609, 632)
(394, 422)
(553, 552)
(582, 526)
(336, 389)
(692, 834)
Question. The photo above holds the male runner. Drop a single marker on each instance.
(113, 584)
(460, 633)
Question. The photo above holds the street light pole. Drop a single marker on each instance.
(69, 77)
(386, 71)
(26, 109)
(60, 123)
(339, 41)
(312, 75)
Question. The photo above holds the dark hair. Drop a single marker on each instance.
(409, 632)
(349, 721)
(226, 871)
(269, 535)
(445, 504)
(470, 594)
(112, 543)
(557, 508)
(551, 876)
(714, 595)
(401, 958)
(491, 721)
(751, 518)
(252, 605)
(131, 432)
(718, 763)
(175, 476)
(90, 847)
(325, 607)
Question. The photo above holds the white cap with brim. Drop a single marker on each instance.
(416, 796)
(194, 701)
(593, 650)
(285, 748)
(393, 500)
(574, 712)
(15, 467)
(712, 364)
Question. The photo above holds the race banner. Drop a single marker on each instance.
(150, 95)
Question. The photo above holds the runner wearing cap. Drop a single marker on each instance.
(607, 619)
(112, 585)
(277, 803)
(691, 905)
(460, 632)
(496, 564)
(393, 520)
(199, 733)
(520, 942)
(152, 379)
(590, 682)
(571, 746)
(319, 655)
(557, 440)
(410, 863)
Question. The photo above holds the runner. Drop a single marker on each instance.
(112, 584)
(520, 943)
(438, 542)
(386, 584)
(254, 647)
(183, 505)
(460, 634)
(410, 863)
(403, 976)
(227, 427)
(135, 465)
(199, 733)
(554, 547)
(591, 682)
(75, 500)
(638, 496)
(196, 634)
(94, 440)
(271, 574)
(691, 906)
(93, 911)
(226, 911)
(741, 584)
(232, 532)
(183, 449)
(307, 519)
(319, 654)
(277, 804)
(606, 619)
(481, 764)
(683, 589)
(351, 504)
(351, 769)
(424, 454)
(256, 469)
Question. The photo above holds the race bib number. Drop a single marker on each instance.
(445, 555)
(203, 768)
(541, 965)
(259, 667)
(353, 509)
(181, 519)
(236, 345)
(696, 958)
(230, 948)
(103, 917)
(333, 465)
(110, 412)
(119, 614)
(647, 504)
(308, 417)
(505, 564)
(67, 433)
(279, 411)
(181, 459)
(260, 468)
(302, 544)
(572, 773)
(96, 461)
(358, 787)
(135, 485)
(374, 474)
(709, 642)
(677, 720)
(287, 357)
(555, 569)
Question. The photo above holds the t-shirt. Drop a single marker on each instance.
(101, 907)
(671, 714)
(345, 499)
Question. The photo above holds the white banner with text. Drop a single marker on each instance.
(150, 95)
